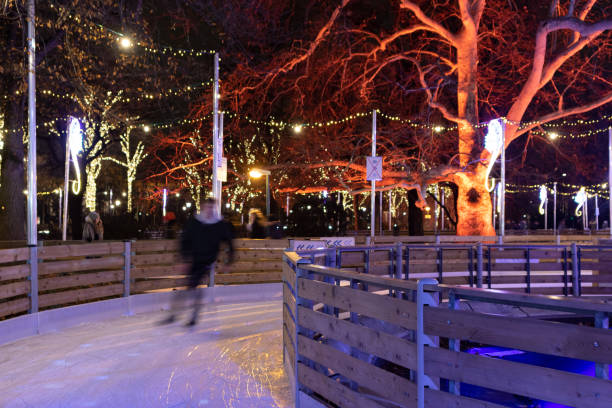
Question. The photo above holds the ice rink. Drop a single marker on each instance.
(231, 358)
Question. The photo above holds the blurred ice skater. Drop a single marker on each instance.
(200, 244)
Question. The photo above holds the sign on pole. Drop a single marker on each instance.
(223, 170)
(374, 168)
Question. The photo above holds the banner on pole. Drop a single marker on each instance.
(222, 173)
(374, 168)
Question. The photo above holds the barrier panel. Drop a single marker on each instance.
(355, 339)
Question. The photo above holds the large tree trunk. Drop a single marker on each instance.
(12, 179)
(474, 205)
(415, 214)
(474, 202)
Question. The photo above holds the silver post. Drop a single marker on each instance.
(610, 178)
(32, 216)
(494, 203)
(479, 265)
(546, 213)
(127, 267)
(287, 205)
(596, 214)
(575, 271)
(390, 218)
(502, 209)
(380, 212)
(66, 173)
(215, 184)
(59, 213)
(220, 162)
(267, 195)
(585, 214)
(435, 213)
(442, 210)
(555, 207)
(373, 198)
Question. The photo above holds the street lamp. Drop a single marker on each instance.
(125, 42)
(257, 173)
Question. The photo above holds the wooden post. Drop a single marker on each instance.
(575, 270)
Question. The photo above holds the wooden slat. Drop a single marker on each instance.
(261, 243)
(566, 340)
(248, 277)
(14, 272)
(257, 266)
(383, 383)
(82, 279)
(158, 283)
(246, 254)
(289, 299)
(14, 255)
(156, 259)
(153, 271)
(157, 245)
(289, 345)
(14, 306)
(347, 275)
(544, 302)
(65, 251)
(386, 346)
(437, 399)
(352, 258)
(601, 278)
(571, 389)
(14, 289)
(392, 310)
(289, 275)
(288, 320)
(80, 295)
(333, 390)
(77, 265)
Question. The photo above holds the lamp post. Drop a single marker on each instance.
(257, 173)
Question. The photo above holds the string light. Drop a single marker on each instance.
(112, 35)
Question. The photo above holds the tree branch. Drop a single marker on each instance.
(434, 25)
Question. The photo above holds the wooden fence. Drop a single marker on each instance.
(348, 347)
(544, 269)
(78, 273)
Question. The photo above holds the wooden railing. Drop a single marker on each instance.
(545, 269)
(380, 347)
(39, 278)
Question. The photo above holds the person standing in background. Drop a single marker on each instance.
(93, 230)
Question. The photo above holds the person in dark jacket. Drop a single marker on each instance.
(93, 230)
(258, 225)
(199, 246)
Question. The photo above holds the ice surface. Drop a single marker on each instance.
(231, 358)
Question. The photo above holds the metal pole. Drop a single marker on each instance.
(215, 184)
(59, 212)
(494, 203)
(596, 214)
(390, 218)
(502, 209)
(546, 214)
(267, 196)
(555, 207)
(610, 178)
(32, 216)
(219, 162)
(380, 212)
(287, 205)
(442, 210)
(435, 214)
(373, 199)
(585, 214)
(66, 170)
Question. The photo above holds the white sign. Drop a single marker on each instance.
(333, 242)
(306, 245)
(222, 172)
(374, 168)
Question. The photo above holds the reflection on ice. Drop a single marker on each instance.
(232, 358)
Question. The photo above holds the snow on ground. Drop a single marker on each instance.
(231, 358)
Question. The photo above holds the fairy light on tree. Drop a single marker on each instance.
(75, 145)
(132, 161)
